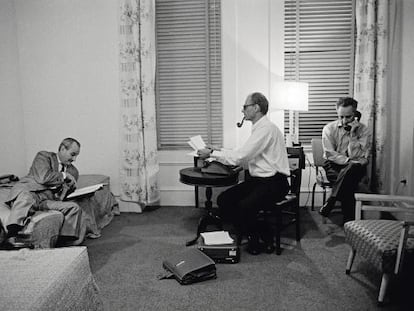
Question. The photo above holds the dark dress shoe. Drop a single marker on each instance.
(253, 246)
(326, 209)
(13, 243)
(253, 250)
(268, 248)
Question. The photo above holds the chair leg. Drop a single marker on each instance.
(324, 196)
(384, 284)
(278, 248)
(313, 197)
(323, 203)
(278, 231)
(297, 222)
(350, 261)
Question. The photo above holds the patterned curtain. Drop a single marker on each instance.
(138, 142)
(371, 81)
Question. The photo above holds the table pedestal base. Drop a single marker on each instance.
(206, 220)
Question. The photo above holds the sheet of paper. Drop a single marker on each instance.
(192, 145)
(216, 238)
(198, 142)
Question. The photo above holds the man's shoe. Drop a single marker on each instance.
(253, 246)
(326, 209)
(253, 250)
(13, 243)
(268, 248)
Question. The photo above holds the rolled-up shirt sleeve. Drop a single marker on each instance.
(329, 144)
(359, 144)
(254, 145)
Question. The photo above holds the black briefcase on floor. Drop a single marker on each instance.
(223, 253)
(188, 267)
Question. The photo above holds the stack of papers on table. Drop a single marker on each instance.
(217, 238)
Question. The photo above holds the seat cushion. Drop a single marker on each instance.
(376, 240)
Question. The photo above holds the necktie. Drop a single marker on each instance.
(62, 168)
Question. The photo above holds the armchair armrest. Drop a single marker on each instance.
(384, 203)
(383, 197)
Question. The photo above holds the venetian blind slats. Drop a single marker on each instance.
(188, 72)
(319, 49)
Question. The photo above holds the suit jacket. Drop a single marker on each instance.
(43, 174)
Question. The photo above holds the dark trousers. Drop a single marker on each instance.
(240, 204)
(344, 180)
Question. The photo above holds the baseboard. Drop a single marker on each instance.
(129, 207)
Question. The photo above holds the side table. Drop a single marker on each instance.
(194, 177)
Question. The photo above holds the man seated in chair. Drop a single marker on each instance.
(346, 150)
(50, 177)
(265, 155)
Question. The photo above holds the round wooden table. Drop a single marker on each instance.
(193, 176)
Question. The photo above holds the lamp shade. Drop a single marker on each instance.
(290, 95)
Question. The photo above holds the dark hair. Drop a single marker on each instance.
(67, 143)
(261, 100)
(346, 102)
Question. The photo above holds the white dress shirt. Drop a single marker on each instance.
(62, 169)
(264, 151)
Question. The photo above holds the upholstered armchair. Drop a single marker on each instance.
(382, 242)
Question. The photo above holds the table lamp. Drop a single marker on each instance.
(292, 96)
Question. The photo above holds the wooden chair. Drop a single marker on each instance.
(382, 242)
(287, 212)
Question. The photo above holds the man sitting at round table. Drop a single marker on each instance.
(265, 155)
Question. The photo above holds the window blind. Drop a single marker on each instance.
(188, 83)
(319, 49)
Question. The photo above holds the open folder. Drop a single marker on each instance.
(85, 190)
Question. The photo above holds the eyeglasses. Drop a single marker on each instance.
(245, 106)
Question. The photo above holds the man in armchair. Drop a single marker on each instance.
(346, 149)
(50, 177)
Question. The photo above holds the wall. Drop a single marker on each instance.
(252, 58)
(12, 140)
(68, 64)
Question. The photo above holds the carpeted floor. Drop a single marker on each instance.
(309, 275)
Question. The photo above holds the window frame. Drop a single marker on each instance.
(306, 38)
(200, 110)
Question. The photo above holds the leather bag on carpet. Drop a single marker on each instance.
(189, 267)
